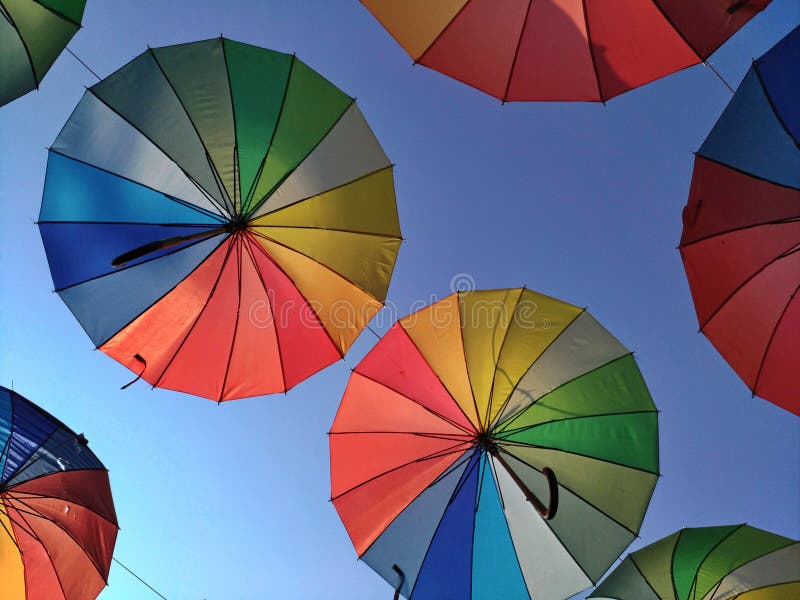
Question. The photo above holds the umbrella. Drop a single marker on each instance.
(220, 219)
(32, 35)
(57, 520)
(709, 563)
(741, 228)
(561, 49)
(496, 444)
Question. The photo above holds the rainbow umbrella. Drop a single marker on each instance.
(32, 35)
(709, 563)
(220, 219)
(741, 228)
(561, 49)
(496, 444)
(57, 521)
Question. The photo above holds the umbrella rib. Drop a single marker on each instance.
(236, 191)
(506, 432)
(36, 538)
(24, 525)
(582, 499)
(282, 245)
(772, 105)
(147, 260)
(783, 221)
(437, 436)
(185, 203)
(454, 449)
(214, 173)
(772, 337)
(36, 513)
(499, 356)
(610, 462)
(36, 80)
(335, 229)
(333, 189)
(641, 574)
(516, 50)
(199, 316)
(495, 423)
(246, 204)
(314, 147)
(508, 421)
(711, 550)
(459, 486)
(430, 410)
(478, 426)
(238, 243)
(738, 288)
(444, 387)
(59, 15)
(10, 534)
(25, 495)
(591, 53)
(312, 309)
(271, 312)
(223, 210)
(440, 34)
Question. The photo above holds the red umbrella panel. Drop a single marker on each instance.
(57, 521)
(589, 50)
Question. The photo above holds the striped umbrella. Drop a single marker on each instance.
(709, 563)
(220, 219)
(496, 444)
(32, 35)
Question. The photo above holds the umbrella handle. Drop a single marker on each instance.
(150, 247)
(736, 6)
(399, 571)
(547, 512)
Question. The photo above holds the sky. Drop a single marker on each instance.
(575, 200)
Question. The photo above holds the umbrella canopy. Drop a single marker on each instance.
(57, 520)
(32, 35)
(741, 228)
(496, 444)
(709, 563)
(220, 219)
(561, 49)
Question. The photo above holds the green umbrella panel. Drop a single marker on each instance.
(32, 35)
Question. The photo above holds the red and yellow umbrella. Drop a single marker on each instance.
(588, 50)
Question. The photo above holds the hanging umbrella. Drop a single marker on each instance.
(32, 35)
(709, 563)
(741, 228)
(220, 219)
(57, 520)
(496, 444)
(561, 49)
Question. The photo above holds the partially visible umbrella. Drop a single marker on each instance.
(741, 228)
(709, 563)
(32, 35)
(220, 219)
(496, 444)
(589, 50)
(57, 521)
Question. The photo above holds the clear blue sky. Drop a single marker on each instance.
(579, 201)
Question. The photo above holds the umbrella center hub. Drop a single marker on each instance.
(238, 223)
(485, 441)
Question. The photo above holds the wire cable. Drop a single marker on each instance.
(150, 587)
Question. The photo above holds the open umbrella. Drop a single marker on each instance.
(220, 219)
(32, 35)
(496, 444)
(57, 520)
(589, 50)
(709, 563)
(741, 228)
